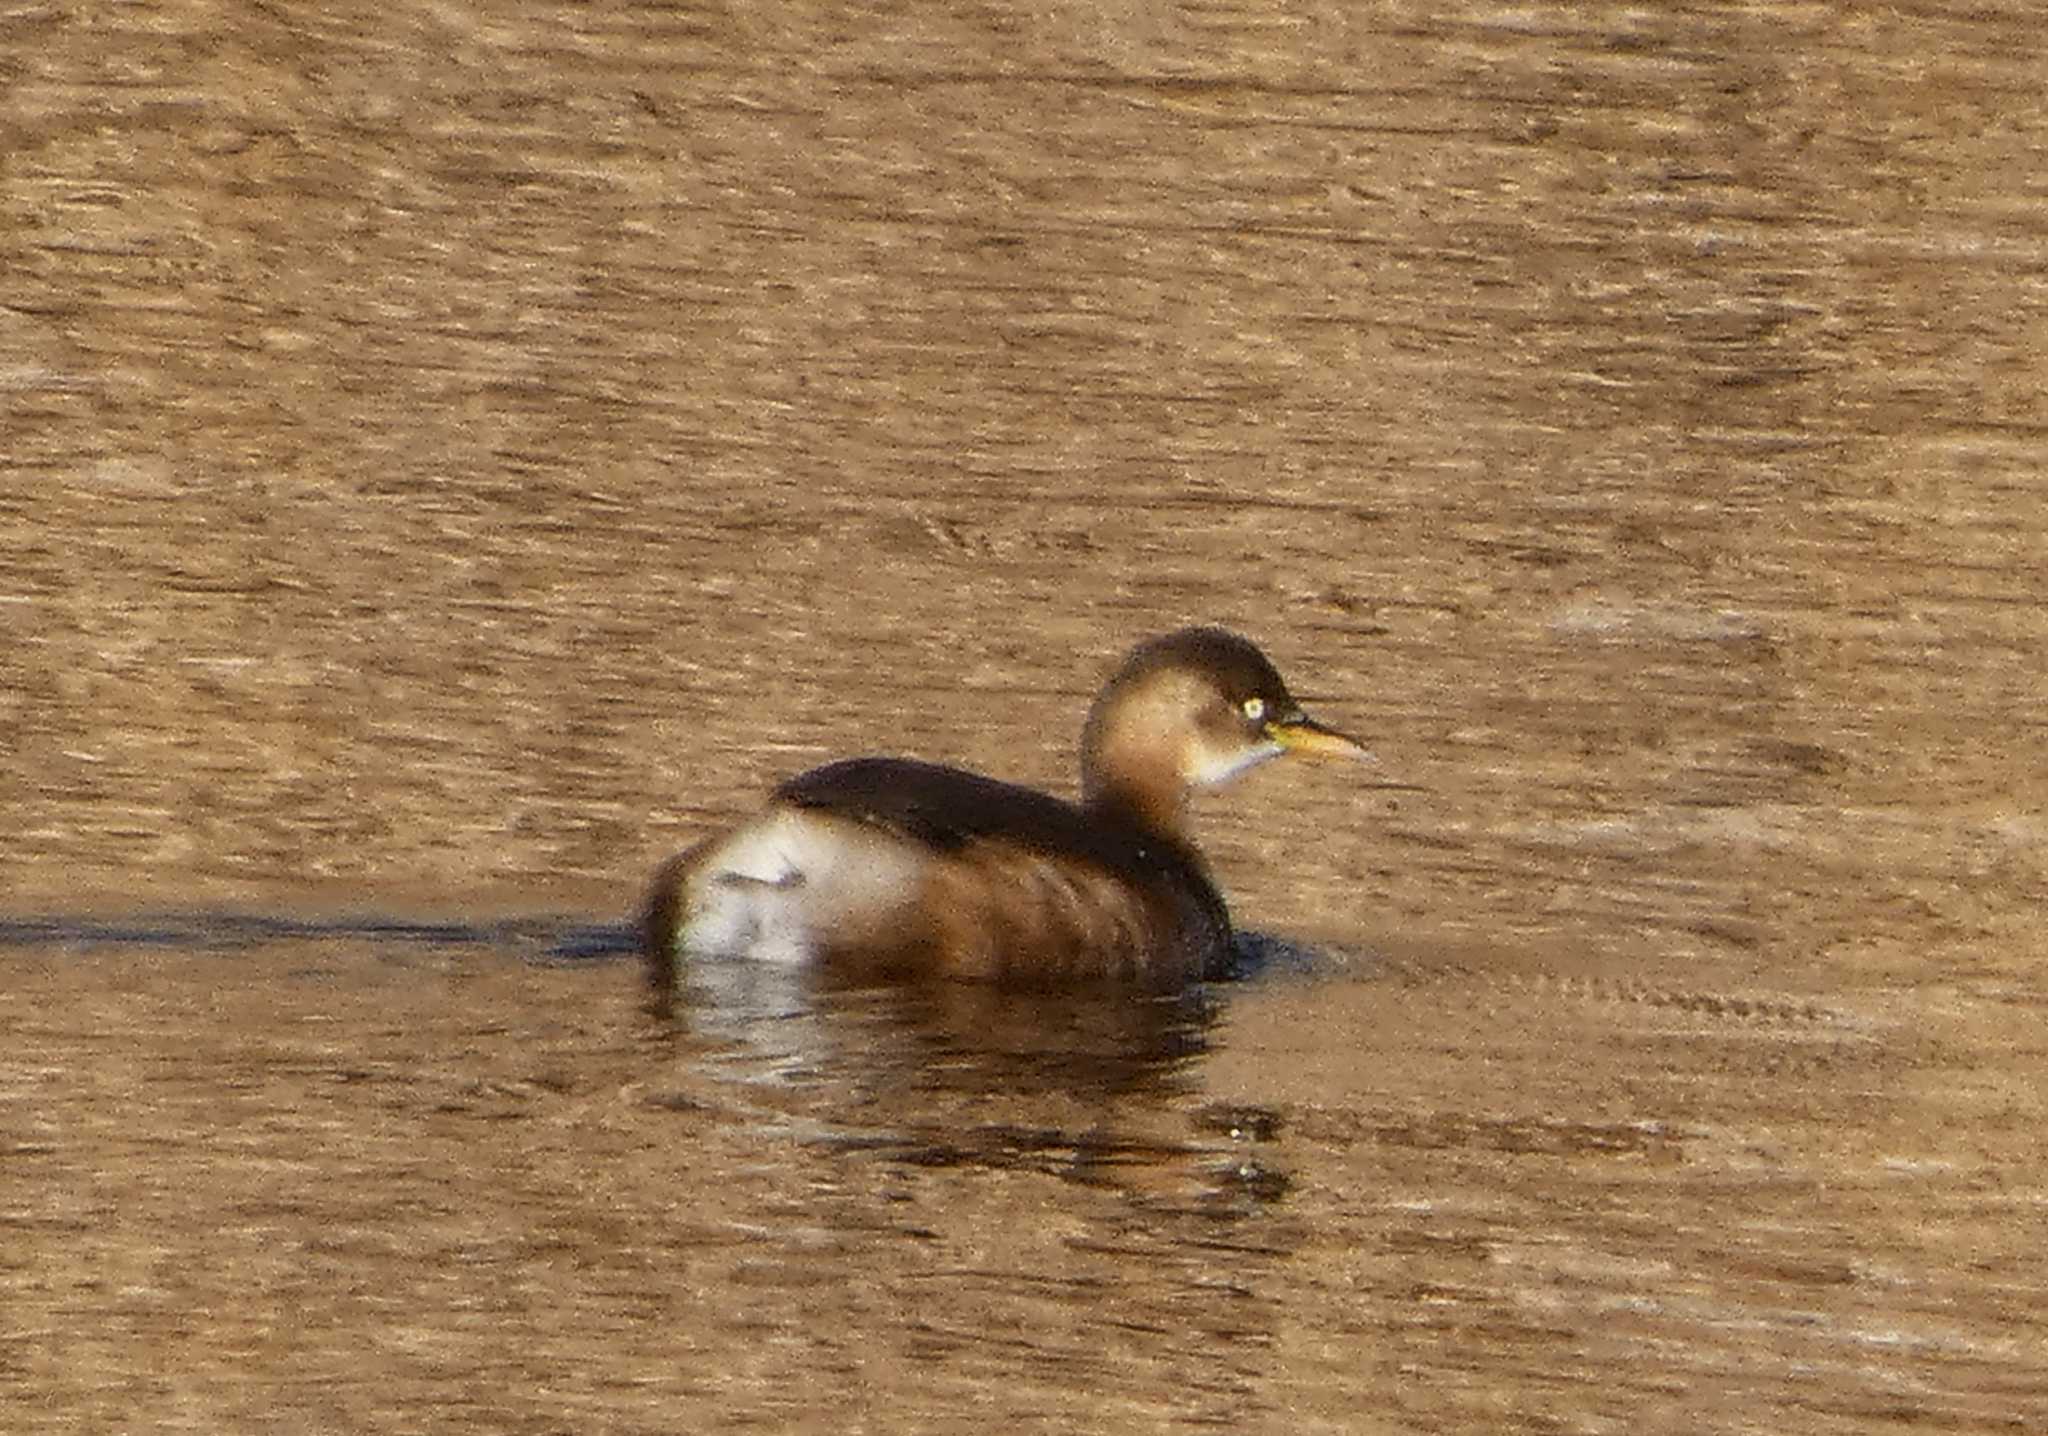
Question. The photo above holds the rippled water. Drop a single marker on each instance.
(376, 1175)
(449, 457)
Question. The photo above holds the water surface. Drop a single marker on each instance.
(373, 1182)
(451, 456)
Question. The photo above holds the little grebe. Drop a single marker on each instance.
(884, 866)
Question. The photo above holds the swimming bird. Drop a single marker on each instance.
(887, 867)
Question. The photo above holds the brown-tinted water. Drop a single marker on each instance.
(450, 456)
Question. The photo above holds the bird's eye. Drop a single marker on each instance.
(1254, 709)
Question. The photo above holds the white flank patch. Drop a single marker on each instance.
(781, 885)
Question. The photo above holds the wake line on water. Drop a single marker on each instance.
(544, 939)
(557, 938)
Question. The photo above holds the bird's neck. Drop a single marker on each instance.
(1141, 785)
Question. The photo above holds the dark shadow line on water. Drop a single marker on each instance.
(558, 938)
(545, 939)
